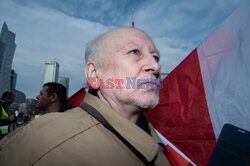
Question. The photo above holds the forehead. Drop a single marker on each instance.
(44, 89)
(126, 37)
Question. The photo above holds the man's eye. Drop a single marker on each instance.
(135, 51)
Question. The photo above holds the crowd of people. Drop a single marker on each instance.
(109, 127)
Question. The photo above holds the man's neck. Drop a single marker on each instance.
(55, 107)
(129, 112)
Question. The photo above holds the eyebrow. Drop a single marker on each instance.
(155, 51)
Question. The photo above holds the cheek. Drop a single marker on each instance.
(43, 99)
(125, 93)
(119, 71)
(126, 66)
(125, 73)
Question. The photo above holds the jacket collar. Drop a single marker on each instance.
(143, 142)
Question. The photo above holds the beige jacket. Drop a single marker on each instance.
(76, 138)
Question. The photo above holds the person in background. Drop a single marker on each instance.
(52, 98)
(109, 128)
(5, 116)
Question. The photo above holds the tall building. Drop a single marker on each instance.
(7, 51)
(50, 72)
(65, 82)
(13, 78)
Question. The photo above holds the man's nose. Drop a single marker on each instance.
(151, 65)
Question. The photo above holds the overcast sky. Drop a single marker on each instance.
(60, 29)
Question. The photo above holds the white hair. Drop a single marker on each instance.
(93, 51)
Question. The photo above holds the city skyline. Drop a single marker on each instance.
(7, 51)
(60, 30)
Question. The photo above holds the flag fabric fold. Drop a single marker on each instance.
(77, 97)
(174, 155)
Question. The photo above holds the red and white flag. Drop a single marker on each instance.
(209, 88)
(174, 155)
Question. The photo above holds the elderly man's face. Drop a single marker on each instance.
(130, 56)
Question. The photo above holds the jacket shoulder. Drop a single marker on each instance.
(31, 142)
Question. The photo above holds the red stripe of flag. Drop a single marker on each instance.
(182, 114)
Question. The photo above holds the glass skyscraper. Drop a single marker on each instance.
(7, 51)
(65, 82)
(50, 72)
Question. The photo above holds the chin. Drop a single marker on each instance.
(146, 102)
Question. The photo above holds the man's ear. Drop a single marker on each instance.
(91, 76)
(53, 97)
